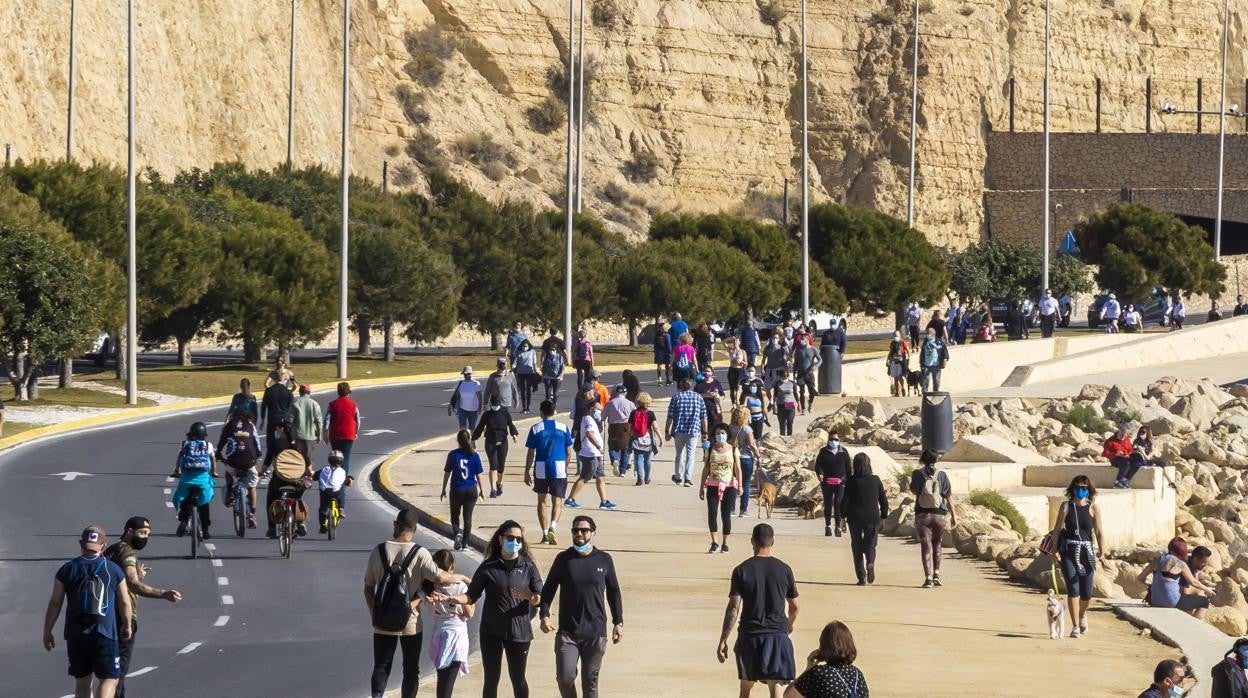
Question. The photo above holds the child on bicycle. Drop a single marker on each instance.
(331, 480)
(448, 646)
(239, 449)
(196, 468)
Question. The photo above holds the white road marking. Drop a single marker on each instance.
(168, 491)
(216, 562)
(168, 479)
(223, 581)
(227, 600)
(140, 672)
(74, 475)
(169, 504)
(190, 648)
(221, 620)
(397, 411)
(210, 546)
(213, 424)
(374, 432)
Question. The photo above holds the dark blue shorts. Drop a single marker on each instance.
(93, 654)
(765, 657)
(555, 487)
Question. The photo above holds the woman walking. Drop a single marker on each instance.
(704, 346)
(754, 399)
(244, 399)
(830, 670)
(662, 354)
(784, 401)
(721, 483)
(645, 441)
(736, 365)
(463, 473)
(1078, 521)
(496, 426)
(512, 585)
(684, 359)
(898, 363)
(933, 510)
(524, 365)
(866, 505)
(743, 436)
(632, 386)
(448, 631)
(832, 469)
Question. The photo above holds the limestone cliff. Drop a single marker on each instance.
(708, 87)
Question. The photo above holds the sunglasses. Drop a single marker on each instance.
(586, 531)
(513, 539)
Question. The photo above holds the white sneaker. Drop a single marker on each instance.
(1074, 632)
(1083, 627)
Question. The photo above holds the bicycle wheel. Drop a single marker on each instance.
(194, 532)
(290, 533)
(332, 522)
(240, 512)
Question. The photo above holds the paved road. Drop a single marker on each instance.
(249, 620)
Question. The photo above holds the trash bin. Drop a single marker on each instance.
(937, 421)
(830, 371)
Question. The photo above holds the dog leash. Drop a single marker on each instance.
(1053, 578)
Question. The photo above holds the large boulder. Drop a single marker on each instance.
(992, 449)
(1214, 392)
(1198, 409)
(1169, 385)
(1229, 620)
(1238, 389)
(1122, 399)
(1163, 422)
(871, 409)
(1201, 447)
(1093, 392)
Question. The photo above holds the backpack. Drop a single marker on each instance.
(392, 607)
(929, 493)
(682, 361)
(551, 364)
(640, 424)
(196, 454)
(239, 450)
(90, 599)
(582, 350)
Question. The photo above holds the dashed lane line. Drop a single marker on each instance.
(221, 621)
(223, 581)
(140, 672)
(227, 600)
(190, 648)
(216, 562)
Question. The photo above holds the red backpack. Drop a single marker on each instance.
(640, 422)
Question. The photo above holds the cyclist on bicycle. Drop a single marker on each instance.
(330, 480)
(196, 468)
(239, 449)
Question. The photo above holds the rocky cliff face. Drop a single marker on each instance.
(708, 88)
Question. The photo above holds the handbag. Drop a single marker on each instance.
(1048, 544)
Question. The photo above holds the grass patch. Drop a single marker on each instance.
(1083, 417)
(613, 193)
(81, 397)
(494, 159)
(15, 428)
(998, 504)
(403, 176)
(903, 478)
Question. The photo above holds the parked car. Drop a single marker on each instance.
(1155, 309)
(103, 349)
(1000, 309)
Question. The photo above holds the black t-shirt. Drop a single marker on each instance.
(581, 582)
(504, 616)
(275, 405)
(764, 584)
(553, 342)
(938, 325)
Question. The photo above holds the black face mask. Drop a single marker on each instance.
(138, 543)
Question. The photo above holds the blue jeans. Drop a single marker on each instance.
(343, 445)
(686, 453)
(467, 418)
(641, 460)
(747, 473)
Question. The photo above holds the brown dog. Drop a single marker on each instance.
(806, 507)
(766, 498)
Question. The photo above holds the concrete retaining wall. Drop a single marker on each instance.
(1142, 515)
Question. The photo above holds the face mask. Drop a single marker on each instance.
(753, 389)
(1242, 652)
(801, 343)
(496, 407)
(896, 337)
(582, 549)
(138, 543)
(512, 547)
(1081, 492)
(930, 337)
(834, 444)
(597, 414)
(721, 438)
(1176, 692)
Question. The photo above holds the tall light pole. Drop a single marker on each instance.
(1217, 224)
(290, 103)
(344, 236)
(1044, 257)
(132, 306)
(570, 207)
(805, 183)
(580, 104)
(69, 119)
(914, 116)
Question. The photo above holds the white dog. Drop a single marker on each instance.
(1056, 614)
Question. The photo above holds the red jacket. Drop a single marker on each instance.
(1117, 448)
(342, 419)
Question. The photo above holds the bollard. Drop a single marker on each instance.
(937, 421)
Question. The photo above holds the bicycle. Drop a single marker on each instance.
(331, 521)
(242, 509)
(193, 497)
(286, 524)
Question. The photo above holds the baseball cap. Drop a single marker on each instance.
(92, 538)
(619, 388)
(501, 362)
(305, 388)
(587, 386)
(467, 370)
(595, 373)
(136, 522)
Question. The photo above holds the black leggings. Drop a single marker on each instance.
(464, 498)
(833, 495)
(383, 659)
(497, 454)
(785, 415)
(492, 649)
(806, 387)
(446, 680)
(723, 507)
(205, 513)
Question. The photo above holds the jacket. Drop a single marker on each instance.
(1117, 448)
(942, 355)
(865, 500)
(1228, 680)
(307, 414)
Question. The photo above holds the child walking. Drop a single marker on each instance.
(448, 637)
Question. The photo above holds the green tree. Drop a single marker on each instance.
(1139, 249)
(880, 262)
(47, 307)
(1068, 275)
(1011, 270)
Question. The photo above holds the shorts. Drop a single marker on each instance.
(591, 467)
(248, 476)
(555, 487)
(1192, 602)
(765, 657)
(93, 654)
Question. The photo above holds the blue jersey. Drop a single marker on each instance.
(550, 441)
(72, 575)
(464, 469)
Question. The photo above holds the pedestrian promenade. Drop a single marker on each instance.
(978, 635)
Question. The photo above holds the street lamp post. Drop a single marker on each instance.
(344, 234)
(805, 182)
(570, 205)
(1233, 110)
(132, 305)
(290, 98)
(1217, 224)
(914, 116)
(1044, 257)
(580, 104)
(69, 119)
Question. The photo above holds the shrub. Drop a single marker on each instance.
(644, 167)
(995, 502)
(881, 18)
(425, 149)
(547, 117)
(481, 149)
(403, 176)
(557, 81)
(495, 170)
(1123, 416)
(410, 100)
(613, 193)
(771, 12)
(425, 69)
(1083, 417)
(903, 478)
(605, 14)
(393, 150)
(429, 49)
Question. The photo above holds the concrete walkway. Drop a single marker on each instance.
(979, 635)
(1203, 644)
(1232, 368)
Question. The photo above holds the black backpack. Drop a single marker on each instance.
(392, 607)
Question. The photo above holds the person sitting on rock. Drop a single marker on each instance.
(1140, 457)
(1118, 449)
(1168, 572)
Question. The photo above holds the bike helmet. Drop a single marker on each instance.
(199, 430)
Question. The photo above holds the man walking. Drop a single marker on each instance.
(583, 576)
(125, 554)
(677, 328)
(502, 384)
(274, 409)
(308, 422)
(1048, 313)
(619, 432)
(396, 621)
(913, 316)
(342, 425)
(686, 422)
(806, 362)
(466, 401)
(97, 618)
(932, 359)
(749, 342)
(550, 448)
(1110, 310)
(760, 590)
(515, 336)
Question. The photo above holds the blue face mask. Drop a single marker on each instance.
(1081, 493)
(753, 389)
(512, 547)
(1176, 692)
(721, 438)
(496, 407)
(834, 444)
(1242, 653)
(582, 549)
